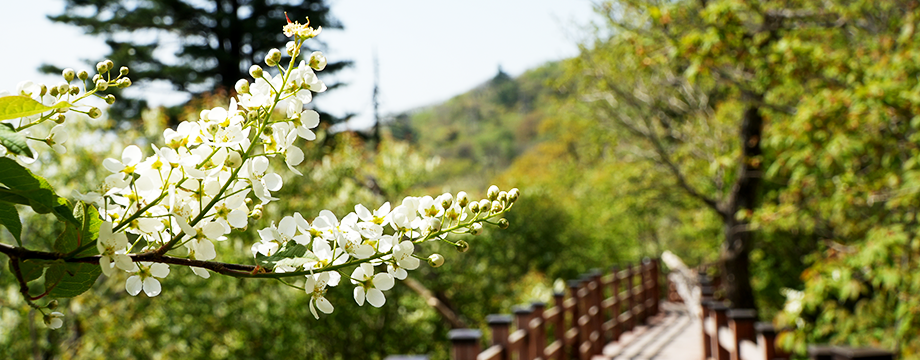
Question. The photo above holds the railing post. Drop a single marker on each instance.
(464, 343)
(631, 297)
(500, 324)
(538, 333)
(522, 321)
(766, 337)
(596, 312)
(559, 302)
(615, 307)
(741, 323)
(576, 340)
(584, 347)
(705, 315)
(719, 310)
(656, 286)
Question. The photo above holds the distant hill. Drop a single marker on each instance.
(479, 133)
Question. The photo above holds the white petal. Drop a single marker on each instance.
(152, 287)
(309, 119)
(134, 285)
(287, 226)
(324, 305)
(293, 156)
(359, 296)
(204, 251)
(363, 213)
(106, 264)
(301, 222)
(123, 261)
(113, 165)
(132, 155)
(201, 272)
(213, 230)
(375, 297)
(159, 270)
(238, 218)
(273, 182)
(313, 311)
(383, 281)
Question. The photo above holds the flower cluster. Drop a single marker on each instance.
(382, 242)
(212, 174)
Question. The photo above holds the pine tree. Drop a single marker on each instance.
(218, 40)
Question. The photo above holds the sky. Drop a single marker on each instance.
(428, 50)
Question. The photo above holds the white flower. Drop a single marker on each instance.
(402, 253)
(316, 288)
(370, 286)
(53, 320)
(112, 247)
(57, 137)
(130, 157)
(146, 279)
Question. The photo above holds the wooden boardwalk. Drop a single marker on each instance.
(672, 335)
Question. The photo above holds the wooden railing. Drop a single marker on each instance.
(735, 334)
(598, 309)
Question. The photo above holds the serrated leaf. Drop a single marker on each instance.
(13, 141)
(17, 106)
(67, 280)
(73, 237)
(290, 250)
(9, 217)
(31, 269)
(40, 195)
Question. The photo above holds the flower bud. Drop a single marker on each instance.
(462, 199)
(242, 86)
(434, 224)
(474, 207)
(74, 90)
(102, 85)
(248, 202)
(255, 71)
(63, 89)
(435, 260)
(123, 70)
(100, 67)
(485, 205)
(109, 65)
(94, 112)
(273, 57)
(256, 214)
(292, 49)
(462, 246)
(69, 74)
(446, 200)
(59, 119)
(42, 90)
(109, 99)
(82, 75)
(503, 223)
(476, 228)
(54, 91)
(124, 82)
(502, 196)
(496, 207)
(492, 194)
(317, 61)
(513, 195)
(53, 304)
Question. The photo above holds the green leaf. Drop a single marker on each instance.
(64, 280)
(9, 217)
(290, 250)
(31, 269)
(40, 195)
(73, 237)
(13, 141)
(17, 106)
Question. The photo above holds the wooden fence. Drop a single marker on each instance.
(735, 334)
(598, 309)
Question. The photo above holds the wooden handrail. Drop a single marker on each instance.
(579, 325)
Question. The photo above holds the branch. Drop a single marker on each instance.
(436, 303)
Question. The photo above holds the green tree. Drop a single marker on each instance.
(218, 40)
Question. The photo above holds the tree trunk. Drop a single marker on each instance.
(735, 260)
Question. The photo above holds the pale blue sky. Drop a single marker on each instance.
(428, 50)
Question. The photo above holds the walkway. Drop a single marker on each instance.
(672, 335)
